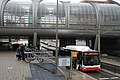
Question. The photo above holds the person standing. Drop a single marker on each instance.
(18, 53)
(22, 49)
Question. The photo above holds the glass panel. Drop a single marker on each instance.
(82, 15)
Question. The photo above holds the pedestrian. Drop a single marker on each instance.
(18, 53)
(22, 49)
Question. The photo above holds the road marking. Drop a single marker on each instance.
(10, 67)
(108, 78)
(103, 78)
(114, 78)
(61, 70)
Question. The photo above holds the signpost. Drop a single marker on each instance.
(66, 61)
(56, 59)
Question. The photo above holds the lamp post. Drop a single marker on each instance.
(66, 5)
(56, 59)
(99, 32)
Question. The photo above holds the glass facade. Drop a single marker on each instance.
(82, 15)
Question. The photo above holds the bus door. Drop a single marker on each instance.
(79, 57)
(74, 59)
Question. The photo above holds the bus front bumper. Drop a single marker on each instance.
(91, 69)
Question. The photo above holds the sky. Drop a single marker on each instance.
(117, 0)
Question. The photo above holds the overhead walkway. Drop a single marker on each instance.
(78, 19)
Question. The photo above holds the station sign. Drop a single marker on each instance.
(64, 61)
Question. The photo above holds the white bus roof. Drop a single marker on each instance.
(79, 48)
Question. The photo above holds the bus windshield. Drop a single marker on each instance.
(91, 60)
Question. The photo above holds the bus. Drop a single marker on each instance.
(83, 58)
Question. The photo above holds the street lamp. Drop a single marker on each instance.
(66, 5)
(56, 59)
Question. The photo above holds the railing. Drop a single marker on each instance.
(40, 56)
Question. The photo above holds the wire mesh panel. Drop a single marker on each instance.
(110, 19)
(48, 20)
(17, 14)
(82, 15)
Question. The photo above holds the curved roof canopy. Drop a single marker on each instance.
(81, 15)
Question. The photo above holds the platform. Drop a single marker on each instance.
(11, 69)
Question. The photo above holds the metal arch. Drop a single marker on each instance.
(2, 6)
(35, 10)
(96, 8)
(66, 5)
(116, 2)
(97, 11)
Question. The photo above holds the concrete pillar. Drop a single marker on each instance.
(30, 41)
(38, 43)
(35, 39)
(87, 42)
(66, 5)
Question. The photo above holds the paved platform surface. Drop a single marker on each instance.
(11, 69)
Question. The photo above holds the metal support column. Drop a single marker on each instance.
(56, 52)
(98, 18)
(66, 5)
(35, 39)
(35, 10)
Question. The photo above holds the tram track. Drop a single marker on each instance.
(102, 75)
(110, 67)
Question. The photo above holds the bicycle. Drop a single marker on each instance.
(30, 56)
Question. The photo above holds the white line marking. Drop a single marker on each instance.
(10, 67)
(114, 78)
(103, 78)
(108, 78)
(61, 70)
